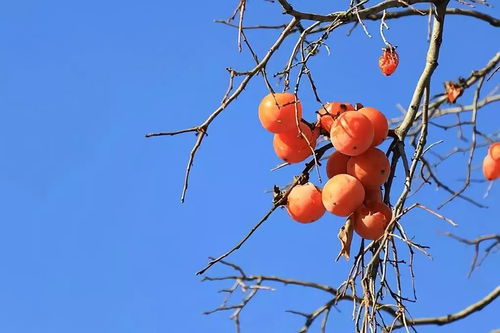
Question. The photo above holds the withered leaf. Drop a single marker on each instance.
(345, 237)
(453, 91)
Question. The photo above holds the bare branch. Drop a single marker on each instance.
(251, 27)
(446, 187)
(472, 148)
(476, 243)
(430, 66)
(479, 305)
(187, 130)
(204, 126)
(450, 11)
(461, 109)
(415, 205)
(347, 17)
(279, 201)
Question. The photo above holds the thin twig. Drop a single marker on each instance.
(472, 147)
(476, 243)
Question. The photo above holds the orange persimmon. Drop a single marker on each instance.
(491, 168)
(494, 151)
(342, 195)
(292, 147)
(278, 112)
(352, 133)
(372, 168)
(491, 162)
(373, 194)
(336, 164)
(330, 111)
(371, 219)
(305, 204)
(380, 124)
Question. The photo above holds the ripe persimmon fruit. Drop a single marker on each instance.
(352, 133)
(330, 111)
(342, 194)
(373, 194)
(494, 151)
(305, 204)
(380, 124)
(336, 164)
(371, 219)
(491, 162)
(277, 112)
(316, 132)
(491, 168)
(292, 147)
(372, 168)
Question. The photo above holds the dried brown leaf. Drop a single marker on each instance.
(345, 237)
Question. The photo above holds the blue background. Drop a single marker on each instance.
(93, 237)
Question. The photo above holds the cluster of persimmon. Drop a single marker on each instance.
(356, 170)
(491, 162)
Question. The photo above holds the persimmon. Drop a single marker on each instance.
(380, 124)
(342, 194)
(389, 60)
(373, 194)
(336, 164)
(494, 151)
(277, 112)
(371, 219)
(491, 162)
(371, 168)
(352, 133)
(292, 147)
(305, 204)
(316, 132)
(491, 168)
(330, 111)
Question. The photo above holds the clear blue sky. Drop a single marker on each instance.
(93, 237)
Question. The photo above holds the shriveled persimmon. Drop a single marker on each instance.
(305, 204)
(343, 194)
(371, 219)
(292, 147)
(336, 164)
(453, 90)
(352, 133)
(371, 168)
(330, 111)
(278, 112)
(389, 60)
(380, 124)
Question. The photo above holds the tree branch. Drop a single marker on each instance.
(202, 129)
(450, 11)
(476, 243)
(430, 66)
(456, 316)
(280, 200)
(346, 17)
